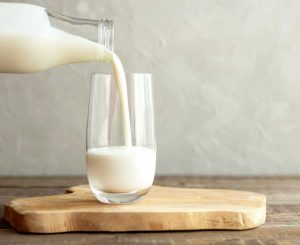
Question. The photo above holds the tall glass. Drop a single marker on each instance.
(119, 173)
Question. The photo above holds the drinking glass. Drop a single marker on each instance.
(120, 173)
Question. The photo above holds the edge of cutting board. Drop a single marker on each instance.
(163, 208)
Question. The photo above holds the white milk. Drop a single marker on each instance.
(32, 52)
(122, 91)
(120, 169)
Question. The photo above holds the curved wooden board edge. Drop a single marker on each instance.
(164, 208)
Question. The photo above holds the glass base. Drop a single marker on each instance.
(118, 198)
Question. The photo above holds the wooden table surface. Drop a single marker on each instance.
(282, 225)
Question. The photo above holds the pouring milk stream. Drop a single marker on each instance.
(28, 43)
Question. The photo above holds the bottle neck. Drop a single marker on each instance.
(105, 28)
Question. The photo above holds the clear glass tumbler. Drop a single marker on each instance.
(118, 173)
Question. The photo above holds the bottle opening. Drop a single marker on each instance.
(106, 34)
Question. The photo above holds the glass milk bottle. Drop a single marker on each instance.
(34, 39)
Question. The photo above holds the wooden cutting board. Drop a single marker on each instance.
(163, 208)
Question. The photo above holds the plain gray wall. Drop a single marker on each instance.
(227, 89)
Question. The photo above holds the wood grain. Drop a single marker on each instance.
(164, 208)
(282, 223)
